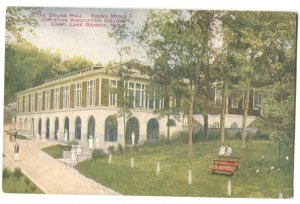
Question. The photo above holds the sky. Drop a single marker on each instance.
(74, 37)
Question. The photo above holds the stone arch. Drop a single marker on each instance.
(152, 129)
(91, 127)
(40, 127)
(47, 128)
(56, 128)
(132, 126)
(66, 129)
(78, 128)
(111, 129)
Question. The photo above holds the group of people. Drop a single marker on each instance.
(75, 151)
(225, 151)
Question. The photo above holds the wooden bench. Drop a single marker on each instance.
(222, 169)
(230, 163)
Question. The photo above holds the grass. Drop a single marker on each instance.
(16, 182)
(174, 167)
(56, 151)
(21, 137)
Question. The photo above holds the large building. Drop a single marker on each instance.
(83, 105)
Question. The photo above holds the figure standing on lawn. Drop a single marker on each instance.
(17, 151)
(228, 151)
(222, 150)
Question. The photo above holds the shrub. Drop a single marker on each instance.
(111, 149)
(17, 173)
(5, 173)
(72, 142)
(179, 137)
(33, 188)
(120, 148)
(98, 153)
(26, 180)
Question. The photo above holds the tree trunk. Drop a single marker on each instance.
(205, 117)
(168, 126)
(191, 110)
(222, 115)
(246, 107)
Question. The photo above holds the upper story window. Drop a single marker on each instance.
(47, 100)
(32, 103)
(26, 105)
(20, 105)
(113, 93)
(154, 98)
(234, 100)
(137, 95)
(66, 97)
(256, 100)
(91, 92)
(78, 92)
(39, 101)
(56, 99)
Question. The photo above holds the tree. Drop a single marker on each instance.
(120, 34)
(253, 36)
(19, 18)
(75, 63)
(182, 40)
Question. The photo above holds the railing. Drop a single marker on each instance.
(70, 74)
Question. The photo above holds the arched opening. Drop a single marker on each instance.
(56, 128)
(32, 126)
(47, 128)
(91, 127)
(152, 129)
(25, 125)
(66, 129)
(78, 128)
(111, 129)
(132, 127)
(40, 127)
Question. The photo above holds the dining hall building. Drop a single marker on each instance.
(83, 105)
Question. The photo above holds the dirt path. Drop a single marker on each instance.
(52, 176)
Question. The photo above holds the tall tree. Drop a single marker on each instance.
(253, 35)
(20, 18)
(183, 40)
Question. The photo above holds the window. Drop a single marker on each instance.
(154, 98)
(78, 129)
(26, 103)
(39, 101)
(66, 97)
(20, 105)
(47, 100)
(113, 93)
(111, 129)
(256, 100)
(32, 102)
(56, 99)
(218, 96)
(91, 92)
(78, 95)
(234, 100)
(216, 125)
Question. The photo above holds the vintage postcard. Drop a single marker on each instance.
(149, 102)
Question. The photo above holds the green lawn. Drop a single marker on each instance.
(56, 151)
(174, 167)
(16, 182)
(21, 137)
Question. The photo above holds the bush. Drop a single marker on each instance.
(72, 142)
(5, 173)
(111, 149)
(98, 153)
(26, 180)
(17, 173)
(33, 188)
(120, 148)
(179, 137)
(257, 135)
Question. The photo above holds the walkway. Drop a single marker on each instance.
(52, 176)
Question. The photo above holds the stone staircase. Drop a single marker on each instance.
(86, 154)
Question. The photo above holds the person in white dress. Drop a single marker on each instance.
(222, 150)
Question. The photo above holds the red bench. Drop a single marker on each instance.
(222, 169)
(235, 164)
